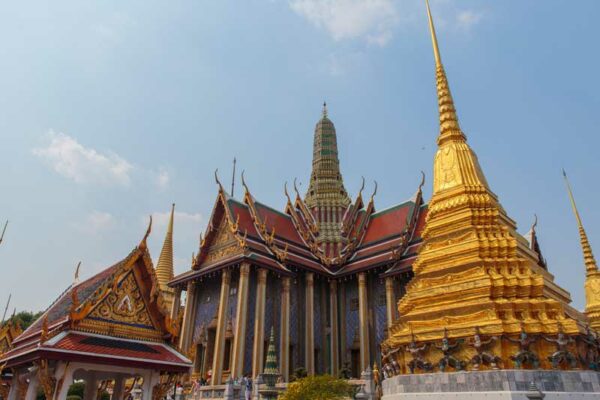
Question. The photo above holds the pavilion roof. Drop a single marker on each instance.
(121, 306)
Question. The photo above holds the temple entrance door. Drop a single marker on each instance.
(355, 362)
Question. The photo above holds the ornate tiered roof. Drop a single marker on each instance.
(118, 314)
(284, 241)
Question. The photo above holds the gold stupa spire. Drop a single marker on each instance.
(449, 126)
(473, 270)
(164, 268)
(455, 162)
(588, 255)
(592, 275)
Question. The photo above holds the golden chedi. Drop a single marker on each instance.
(476, 280)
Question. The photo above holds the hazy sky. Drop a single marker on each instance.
(112, 110)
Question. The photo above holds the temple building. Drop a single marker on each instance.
(111, 328)
(326, 273)
(482, 296)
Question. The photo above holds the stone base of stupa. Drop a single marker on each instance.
(494, 385)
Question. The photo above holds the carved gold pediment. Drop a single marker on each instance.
(124, 304)
(224, 244)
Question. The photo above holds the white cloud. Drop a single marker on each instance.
(372, 20)
(162, 179)
(83, 164)
(160, 220)
(96, 221)
(466, 19)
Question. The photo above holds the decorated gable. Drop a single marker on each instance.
(224, 244)
(124, 306)
(127, 304)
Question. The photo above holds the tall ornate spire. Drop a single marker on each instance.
(592, 275)
(455, 163)
(326, 197)
(164, 268)
(473, 269)
(449, 126)
(588, 255)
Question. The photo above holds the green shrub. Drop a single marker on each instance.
(76, 389)
(322, 387)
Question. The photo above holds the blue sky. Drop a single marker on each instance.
(110, 111)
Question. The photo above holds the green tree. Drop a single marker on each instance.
(25, 318)
(322, 387)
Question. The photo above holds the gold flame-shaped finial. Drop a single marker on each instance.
(588, 255)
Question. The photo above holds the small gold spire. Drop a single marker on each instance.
(588, 255)
(164, 268)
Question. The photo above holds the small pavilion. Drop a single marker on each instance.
(109, 330)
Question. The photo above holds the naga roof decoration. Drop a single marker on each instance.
(534, 244)
(122, 301)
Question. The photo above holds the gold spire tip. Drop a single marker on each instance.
(572, 198)
(434, 42)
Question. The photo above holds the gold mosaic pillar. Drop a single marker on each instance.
(217, 369)
(284, 351)
(334, 332)
(188, 320)
(390, 300)
(239, 340)
(259, 324)
(363, 320)
(309, 336)
(176, 305)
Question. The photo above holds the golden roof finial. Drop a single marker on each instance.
(143, 244)
(164, 268)
(76, 279)
(324, 109)
(588, 255)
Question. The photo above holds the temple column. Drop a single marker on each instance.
(342, 326)
(309, 337)
(239, 339)
(334, 331)
(176, 305)
(219, 353)
(188, 320)
(32, 388)
(390, 301)
(284, 332)
(258, 349)
(363, 319)
(66, 374)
